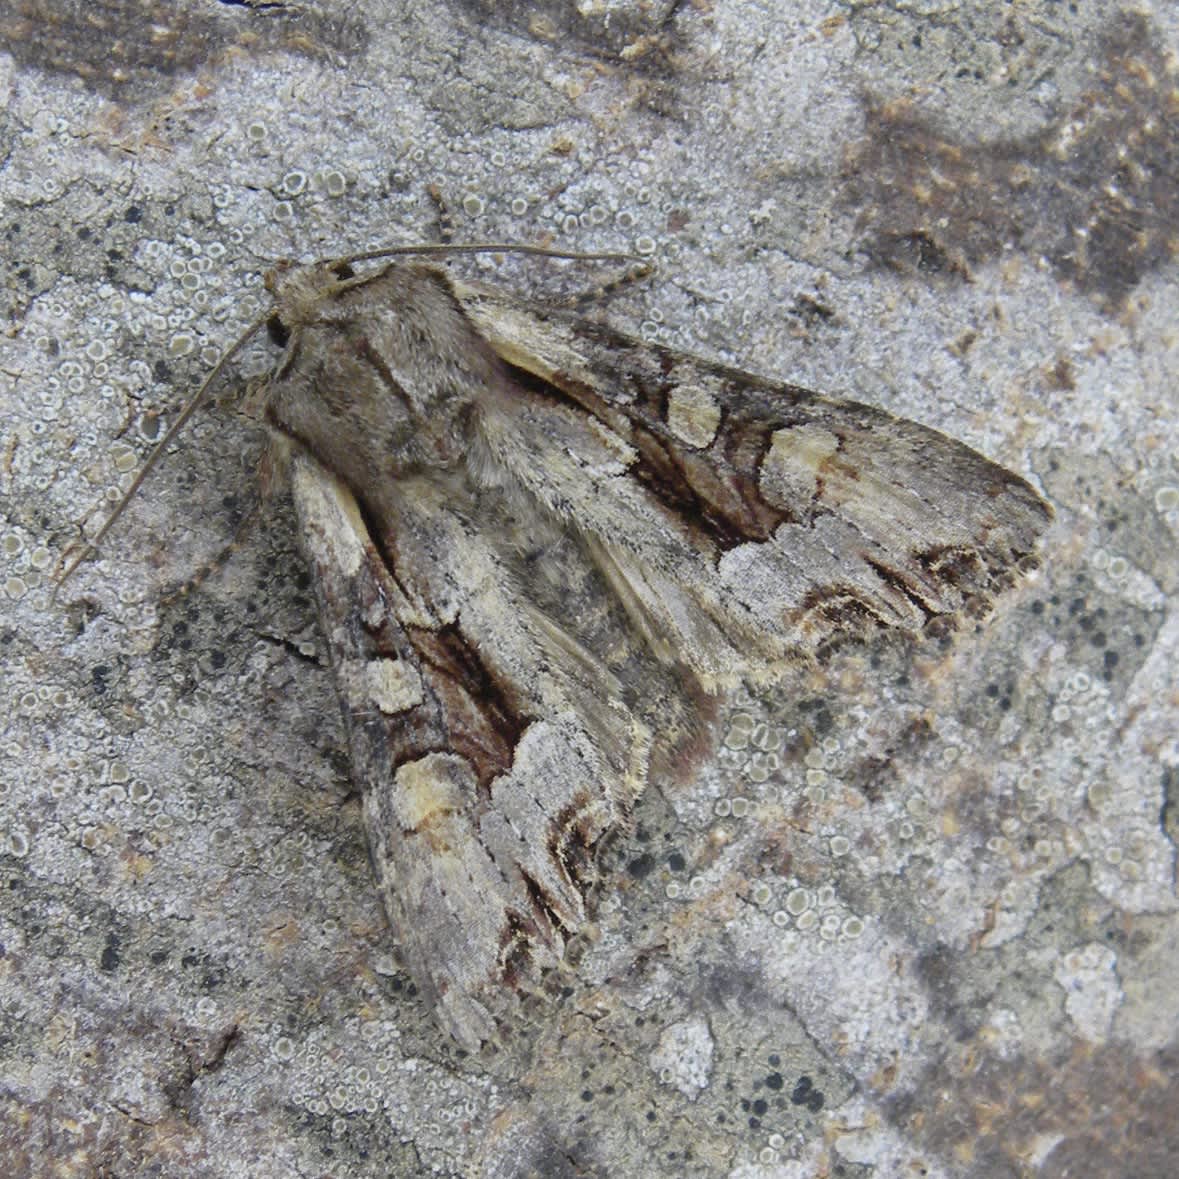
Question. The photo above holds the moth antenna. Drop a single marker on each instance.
(194, 403)
(482, 248)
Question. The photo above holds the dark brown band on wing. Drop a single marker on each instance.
(481, 716)
(721, 499)
(573, 838)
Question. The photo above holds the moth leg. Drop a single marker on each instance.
(215, 564)
(270, 479)
(608, 286)
(442, 214)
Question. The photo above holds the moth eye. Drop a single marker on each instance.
(278, 331)
(342, 270)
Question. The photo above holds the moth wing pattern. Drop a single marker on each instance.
(757, 520)
(492, 753)
(537, 543)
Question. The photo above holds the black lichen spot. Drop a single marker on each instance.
(806, 1094)
(641, 866)
(818, 711)
(774, 1081)
(213, 974)
(676, 862)
(110, 954)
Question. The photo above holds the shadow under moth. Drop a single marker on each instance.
(541, 546)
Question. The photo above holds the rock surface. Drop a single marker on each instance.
(917, 915)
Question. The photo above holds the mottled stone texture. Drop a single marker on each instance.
(915, 913)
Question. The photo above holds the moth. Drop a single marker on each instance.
(540, 549)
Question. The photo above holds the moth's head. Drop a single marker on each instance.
(300, 290)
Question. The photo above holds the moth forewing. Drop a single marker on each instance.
(481, 820)
(784, 515)
(415, 811)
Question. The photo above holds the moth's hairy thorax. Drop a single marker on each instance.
(380, 385)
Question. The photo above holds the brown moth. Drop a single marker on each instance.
(540, 546)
